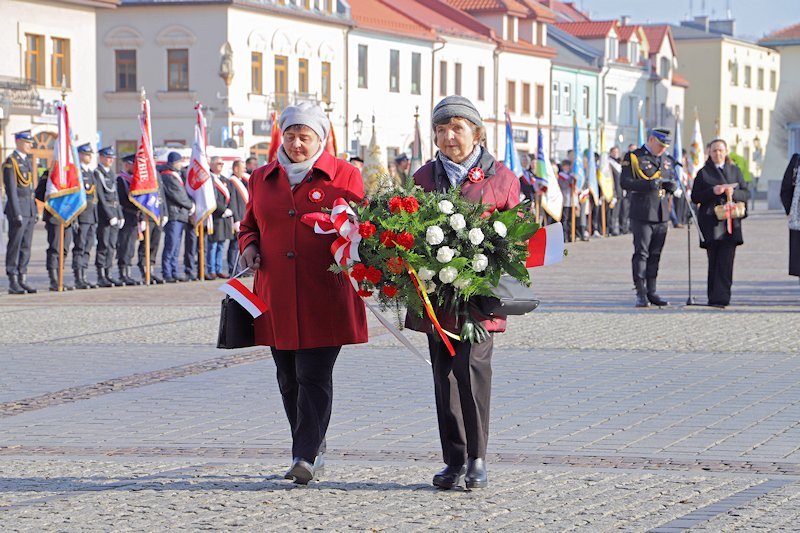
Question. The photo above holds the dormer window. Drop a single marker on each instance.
(664, 67)
(634, 48)
(613, 47)
(511, 28)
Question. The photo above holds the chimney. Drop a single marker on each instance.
(625, 20)
(701, 22)
(726, 26)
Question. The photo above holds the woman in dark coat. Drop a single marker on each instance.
(790, 197)
(311, 311)
(462, 384)
(710, 190)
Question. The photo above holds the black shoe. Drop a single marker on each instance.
(178, 277)
(210, 277)
(191, 277)
(170, 280)
(476, 477)
(652, 296)
(23, 282)
(125, 276)
(301, 471)
(13, 285)
(450, 477)
(79, 283)
(102, 280)
(53, 280)
(155, 279)
(114, 281)
(641, 300)
(717, 305)
(86, 280)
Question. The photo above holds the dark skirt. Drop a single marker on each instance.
(794, 252)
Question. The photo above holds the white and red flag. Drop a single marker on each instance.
(546, 247)
(199, 184)
(244, 296)
(65, 197)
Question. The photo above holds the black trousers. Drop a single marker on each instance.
(190, 250)
(83, 236)
(155, 240)
(232, 254)
(107, 237)
(18, 248)
(53, 236)
(720, 272)
(128, 236)
(462, 386)
(648, 241)
(305, 379)
(623, 210)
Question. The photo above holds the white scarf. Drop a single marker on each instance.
(297, 171)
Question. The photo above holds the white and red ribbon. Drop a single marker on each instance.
(342, 221)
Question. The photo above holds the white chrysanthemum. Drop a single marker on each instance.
(445, 254)
(500, 228)
(430, 287)
(475, 236)
(446, 207)
(426, 274)
(448, 274)
(461, 283)
(434, 235)
(457, 222)
(479, 262)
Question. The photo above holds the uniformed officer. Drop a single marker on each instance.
(85, 226)
(54, 248)
(128, 231)
(155, 236)
(109, 217)
(20, 211)
(648, 173)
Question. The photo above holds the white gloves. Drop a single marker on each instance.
(142, 226)
(192, 210)
(236, 226)
(121, 223)
(678, 193)
(113, 222)
(227, 213)
(164, 220)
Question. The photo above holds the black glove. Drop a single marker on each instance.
(655, 185)
(669, 186)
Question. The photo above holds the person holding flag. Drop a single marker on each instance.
(21, 213)
(552, 199)
(222, 218)
(109, 217)
(131, 215)
(201, 190)
(85, 227)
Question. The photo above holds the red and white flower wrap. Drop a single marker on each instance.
(342, 221)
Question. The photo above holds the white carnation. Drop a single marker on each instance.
(500, 228)
(430, 287)
(426, 274)
(475, 236)
(461, 283)
(434, 235)
(445, 254)
(448, 274)
(479, 262)
(457, 222)
(446, 207)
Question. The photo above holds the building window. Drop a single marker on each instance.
(481, 83)
(511, 96)
(747, 76)
(733, 68)
(394, 71)
(325, 82)
(541, 35)
(416, 73)
(526, 98)
(734, 116)
(539, 100)
(302, 76)
(443, 78)
(664, 67)
(566, 106)
(34, 59)
(611, 107)
(634, 46)
(281, 81)
(759, 119)
(746, 118)
(60, 65)
(125, 61)
(613, 48)
(178, 69)
(773, 80)
(556, 98)
(761, 79)
(256, 70)
(362, 66)
(458, 79)
(585, 101)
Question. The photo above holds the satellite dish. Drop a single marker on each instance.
(231, 143)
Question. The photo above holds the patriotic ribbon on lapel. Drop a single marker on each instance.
(345, 247)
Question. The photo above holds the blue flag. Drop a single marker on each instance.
(511, 159)
(592, 171)
(577, 163)
(642, 138)
(677, 150)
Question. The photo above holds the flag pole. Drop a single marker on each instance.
(61, 225)
(572, 226)
(603, 215)
(147, 274)
(201, 245)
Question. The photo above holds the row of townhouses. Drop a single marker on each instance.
(375, 65)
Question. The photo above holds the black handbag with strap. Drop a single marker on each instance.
(236, 329)
(511, 297)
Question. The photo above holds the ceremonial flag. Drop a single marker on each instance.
(552, 199)
(604, 176)
(592, 169)
(641, 137)
(511, 159)
(330, 142)
(275, 140)
(144, 182)
(64, 197)
(199, 185)
(416, 148)
(244, 296)
(677, 154)
(546, 247)
(577, 162)
(696, 157)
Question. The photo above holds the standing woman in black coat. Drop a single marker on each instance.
(790, 197)
(710, 186)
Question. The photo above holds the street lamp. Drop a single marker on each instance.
(358, 126)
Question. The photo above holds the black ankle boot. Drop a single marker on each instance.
(23, 282)
(641, 293)
(114, 281)
(86, 280)
(13, 285)
(102, 280)
(450, 477)
(53, 274)
(476, 477)
(125, 276)
(79, 283)
(652, 297)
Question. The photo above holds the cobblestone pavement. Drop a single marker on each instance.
(116, 412)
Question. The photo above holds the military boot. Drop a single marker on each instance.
(79, 283)
(125, 276)
(641, 293)
(652, 297)
(53, 273)
(23, 282)
(102, 280)
(114, 281)
(13, 285)
(86, 280)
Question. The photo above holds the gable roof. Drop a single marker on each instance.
(573, 52)
(598, 29)
(679, 81)
(379, 16)
(512, 7)
(656, 33)
(444, 18)
(565, 11)
(787, 35)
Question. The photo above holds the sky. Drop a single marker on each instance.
(754, 18)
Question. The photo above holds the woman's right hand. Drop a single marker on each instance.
(250, 258)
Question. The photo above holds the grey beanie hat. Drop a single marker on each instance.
(305, 114)
(455, 106)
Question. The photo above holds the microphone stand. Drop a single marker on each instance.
(690, 300)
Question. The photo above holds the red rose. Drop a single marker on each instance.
(374, 275)
(364, 293)
(405, 239)
(387, 238)
(359, 272)
(395, 265)
(367, 229)
(395, 204)
(410, 204)
(390, 290)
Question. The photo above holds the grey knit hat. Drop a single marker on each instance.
(305, 114)
(455, 106)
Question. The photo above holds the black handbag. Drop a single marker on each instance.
(511, 297)
(236, 328)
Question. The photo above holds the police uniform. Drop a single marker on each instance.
(22, 215)
(650, 181)
(84, 228)
(155, 236)
(54, 248)
(128, 234)
(109, 220)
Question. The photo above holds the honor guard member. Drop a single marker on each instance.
(130, 226)
(20, 211)
(53, 227)
(85, 226)
(648, 174)
(109, 217)
(155, 236)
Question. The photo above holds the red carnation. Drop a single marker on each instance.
(390, 290)
(359, 272)
(410, 204)
(405, 239)
(367, 229)
(374, 275)
(395, 265)
(364, 293)
(387, 238)
(395, 204)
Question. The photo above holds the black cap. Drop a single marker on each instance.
(173, 157)
(107, 151)
(130, 158)
(401, 158)
(662, 135)
(85, 148)
(24, 135)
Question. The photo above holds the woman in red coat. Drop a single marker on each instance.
(311, 312)
(462, 384)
